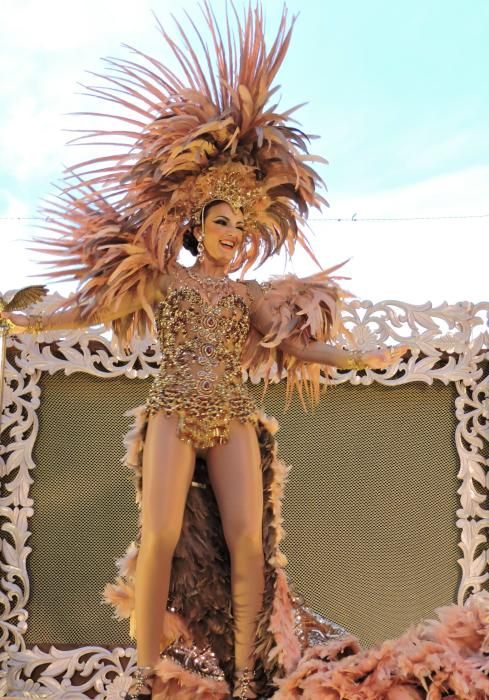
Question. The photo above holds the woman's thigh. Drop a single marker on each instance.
(168, 465)
(236, 478)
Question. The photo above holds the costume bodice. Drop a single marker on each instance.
(200, 339)
(200, 375)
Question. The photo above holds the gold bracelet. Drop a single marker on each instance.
(36, 325)
(6, 325)
(355, 361)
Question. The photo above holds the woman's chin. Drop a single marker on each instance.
(221, 258)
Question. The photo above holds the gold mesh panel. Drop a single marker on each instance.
(370, 506)
(84, 512)
(369, 509)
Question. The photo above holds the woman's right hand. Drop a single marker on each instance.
(19, 322)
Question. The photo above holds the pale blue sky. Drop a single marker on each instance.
(397, 92)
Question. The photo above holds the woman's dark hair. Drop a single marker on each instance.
(190, 242)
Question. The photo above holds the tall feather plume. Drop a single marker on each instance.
(118, 221)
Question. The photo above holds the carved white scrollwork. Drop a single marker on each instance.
(448, 343)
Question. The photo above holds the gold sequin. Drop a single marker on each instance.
(200, 377)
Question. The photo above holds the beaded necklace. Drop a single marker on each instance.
(217, 283)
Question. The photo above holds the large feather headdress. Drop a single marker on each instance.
(210, 132)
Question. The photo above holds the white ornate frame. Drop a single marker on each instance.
(443, 346)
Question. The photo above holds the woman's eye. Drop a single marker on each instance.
(224, 222)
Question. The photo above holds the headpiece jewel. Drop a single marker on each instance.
(233, 183)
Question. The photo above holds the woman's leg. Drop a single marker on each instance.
(168, 465)
(236, 478)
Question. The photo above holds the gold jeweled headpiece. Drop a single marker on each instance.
(233, 183)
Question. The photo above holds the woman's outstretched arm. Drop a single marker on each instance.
(326, 354)
(314, 351)
(71, 318)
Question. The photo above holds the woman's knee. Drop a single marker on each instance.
(160, 541)
(244, 539)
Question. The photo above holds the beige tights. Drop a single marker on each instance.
(235, 475)
(236, 478)
(167, 473)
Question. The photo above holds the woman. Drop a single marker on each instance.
(177, 433)
(212, 169)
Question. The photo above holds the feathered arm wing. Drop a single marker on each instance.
(304, 310)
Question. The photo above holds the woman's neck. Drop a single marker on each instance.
(210, 268)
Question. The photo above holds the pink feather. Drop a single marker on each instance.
(287, 646)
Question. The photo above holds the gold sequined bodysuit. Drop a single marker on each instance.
(200, 376)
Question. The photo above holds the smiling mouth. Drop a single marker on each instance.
(228, 244)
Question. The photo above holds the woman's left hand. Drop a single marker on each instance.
(379, 359)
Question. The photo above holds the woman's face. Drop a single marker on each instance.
(223, 232)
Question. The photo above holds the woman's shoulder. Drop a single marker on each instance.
(256, 288)
(256, 291)
(167, 279)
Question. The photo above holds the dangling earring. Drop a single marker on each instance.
(200, 238)
(200, 248)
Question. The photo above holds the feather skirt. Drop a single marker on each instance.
(298, 653)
